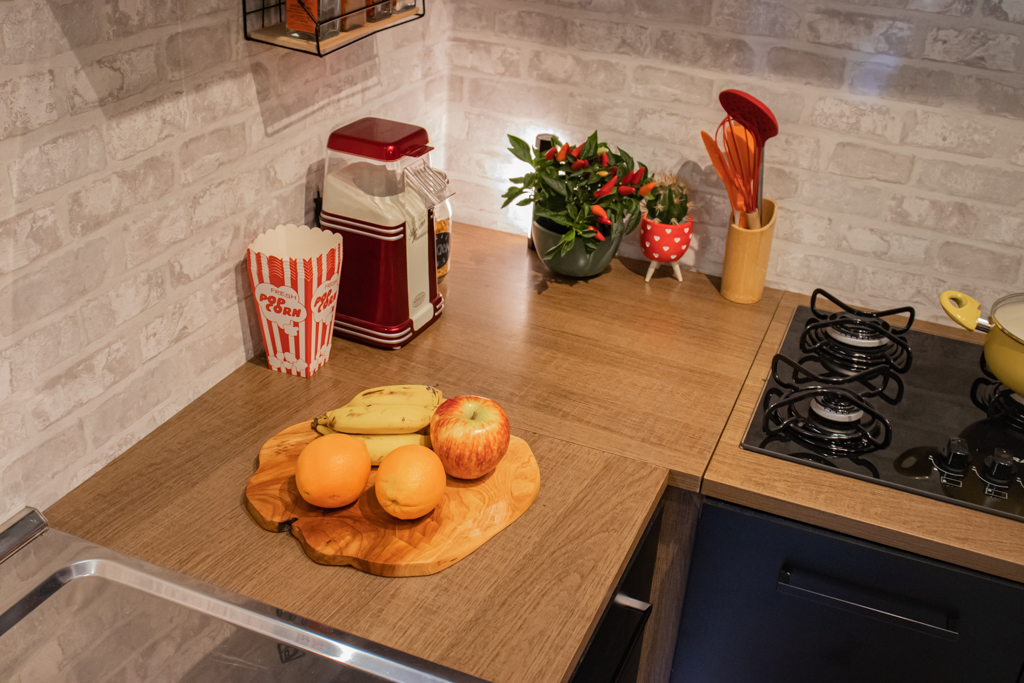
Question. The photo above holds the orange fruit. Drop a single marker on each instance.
(332, 470)
(410, 481)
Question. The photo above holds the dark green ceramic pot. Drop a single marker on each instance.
(577, 263)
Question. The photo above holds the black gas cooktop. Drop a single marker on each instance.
(867, 396)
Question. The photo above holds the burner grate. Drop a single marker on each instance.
(998, 402)
(815, 371)
(852, 341)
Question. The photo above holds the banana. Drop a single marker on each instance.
(322, 428)
(380, 445)
(389, 418)
(404, 394)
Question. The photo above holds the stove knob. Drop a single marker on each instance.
(999, 467)
(957, 457)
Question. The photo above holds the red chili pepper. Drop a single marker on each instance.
(646, 189)
(576, 152)
(550, 154)
(604, 221)
(560, 157)
(626, 190)
(597, 235)
(636, 176)
(604, 158)
(607, 187)
(598, 211)
(614, 170)
(580, 163)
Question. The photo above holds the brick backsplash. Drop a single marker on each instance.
(898, 166)
(143, 145)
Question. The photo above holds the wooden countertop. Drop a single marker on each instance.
(519, 608)
(648, 371)
(932, 528)
(588, 371)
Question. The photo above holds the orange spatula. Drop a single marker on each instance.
(723, 172)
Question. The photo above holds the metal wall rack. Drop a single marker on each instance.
(341, 22)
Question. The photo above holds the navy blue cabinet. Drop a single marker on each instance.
(769, 600)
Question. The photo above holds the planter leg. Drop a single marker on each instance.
(650, 271)
(675, 269)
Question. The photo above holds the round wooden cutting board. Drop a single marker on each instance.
(364, 536)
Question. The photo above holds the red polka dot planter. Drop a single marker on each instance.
(665, 243)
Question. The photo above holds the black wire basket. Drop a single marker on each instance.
(320, 27)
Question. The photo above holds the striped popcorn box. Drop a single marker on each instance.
(295, 271)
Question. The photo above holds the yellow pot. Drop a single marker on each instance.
(1004, 339)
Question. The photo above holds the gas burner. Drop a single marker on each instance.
(828, 411)
(851, 341)
(997, 400)
(793, 416)
(861, 338)
(835, 408)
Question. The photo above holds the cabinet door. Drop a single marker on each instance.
(770, 600)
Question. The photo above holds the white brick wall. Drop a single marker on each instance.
(897, 170)
(142, 146)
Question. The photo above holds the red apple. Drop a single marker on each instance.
(470, 434)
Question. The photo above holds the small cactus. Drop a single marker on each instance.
(668, 202)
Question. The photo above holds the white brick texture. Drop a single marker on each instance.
(143, 144)
(898, 164)
(141, 149)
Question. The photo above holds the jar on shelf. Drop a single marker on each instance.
(304, 18)
(378, 10)
(443, 234)
(353, 14)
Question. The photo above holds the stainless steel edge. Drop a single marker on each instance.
(25, 527)
(47, 563)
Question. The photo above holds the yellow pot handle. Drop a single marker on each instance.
(963, 309)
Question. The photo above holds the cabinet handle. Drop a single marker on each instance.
(857, 600)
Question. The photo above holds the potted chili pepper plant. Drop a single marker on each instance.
(666, 227)
(586, 199)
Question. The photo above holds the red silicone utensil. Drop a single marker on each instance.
(740, 151)
(725, 174)
(756, 117)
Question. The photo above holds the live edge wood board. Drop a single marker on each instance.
(366, 537)
(903, 520)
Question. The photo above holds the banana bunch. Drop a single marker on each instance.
(384, 417)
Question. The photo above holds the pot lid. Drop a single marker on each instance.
(380, 139)
(1008, 313)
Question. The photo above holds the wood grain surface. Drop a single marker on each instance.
(520, 608)
(364, 536)
(587, 371)
(645, 370)
(921, 525)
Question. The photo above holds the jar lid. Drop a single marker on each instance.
(380, 139)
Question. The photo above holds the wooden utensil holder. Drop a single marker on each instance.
(746, 258)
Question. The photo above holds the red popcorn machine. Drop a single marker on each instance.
(379, 193)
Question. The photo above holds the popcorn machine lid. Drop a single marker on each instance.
(380, 139)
